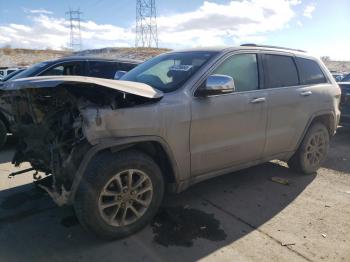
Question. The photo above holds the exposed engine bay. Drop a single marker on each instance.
(48, 123)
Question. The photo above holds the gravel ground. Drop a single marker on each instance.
(243, 216)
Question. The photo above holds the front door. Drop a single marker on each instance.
(230, 129)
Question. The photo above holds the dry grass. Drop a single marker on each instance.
(25, 57)
(338, 66)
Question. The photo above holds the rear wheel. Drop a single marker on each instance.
(312, 151)
(120, 194)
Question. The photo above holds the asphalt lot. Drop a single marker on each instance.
(243, 216)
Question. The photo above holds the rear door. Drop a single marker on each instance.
(290, 104)
(229, 129)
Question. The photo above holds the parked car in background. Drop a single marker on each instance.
(114, 147)
(11, 75)
(345, 103)
(68, 66)
(79, 66)
(346, 78)
(4, 71)
(338, 76)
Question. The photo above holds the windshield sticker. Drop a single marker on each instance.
(184, 68)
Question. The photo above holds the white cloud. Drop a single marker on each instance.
(299, 23)
(40, 11)
(211, 24)
(295, 2)
(339, 50)
(309, 9)
(20, 27)
(50, 32)
(218, 24)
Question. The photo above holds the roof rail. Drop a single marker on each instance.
(277, 47)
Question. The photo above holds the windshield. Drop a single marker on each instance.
(9, 76)
(168, 72)
(31, 71)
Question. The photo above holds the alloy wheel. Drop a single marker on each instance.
(125, 197)
(316, 149)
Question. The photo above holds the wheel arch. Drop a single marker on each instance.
(327, 118)
(153, 146)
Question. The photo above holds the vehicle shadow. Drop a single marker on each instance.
(189, 226)
(339, 155)
(7, 150)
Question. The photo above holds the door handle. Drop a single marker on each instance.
(306, 93)
(258, 100)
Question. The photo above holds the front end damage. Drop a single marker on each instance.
(50, 122)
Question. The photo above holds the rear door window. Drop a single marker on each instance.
(243, 68)
(65, 69)
(102, 69)
(310, 72)
(126, 66)
(280, 71)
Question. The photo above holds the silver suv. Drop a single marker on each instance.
(112, 147)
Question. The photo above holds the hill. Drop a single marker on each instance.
(25, 57)
(338, 66)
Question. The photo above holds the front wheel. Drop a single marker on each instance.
(312, 151)
(120, 194)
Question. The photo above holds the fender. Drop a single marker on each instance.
(312, 118)
(117, 145)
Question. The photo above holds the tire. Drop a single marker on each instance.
(98, 190)
(312, 151)
(3, 134)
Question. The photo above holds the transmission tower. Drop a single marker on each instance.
(146, 24)
(74, 17)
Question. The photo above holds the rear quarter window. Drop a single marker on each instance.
(310, 72)
(280, 71)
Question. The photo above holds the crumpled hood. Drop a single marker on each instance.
(134, 88)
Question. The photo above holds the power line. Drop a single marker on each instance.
(146, 24)
(74, 17)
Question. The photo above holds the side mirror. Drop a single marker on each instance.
(119, 74)
(217, 85)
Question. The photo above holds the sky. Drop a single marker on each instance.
(320, 27)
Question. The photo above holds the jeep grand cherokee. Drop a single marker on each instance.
(112, 147)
